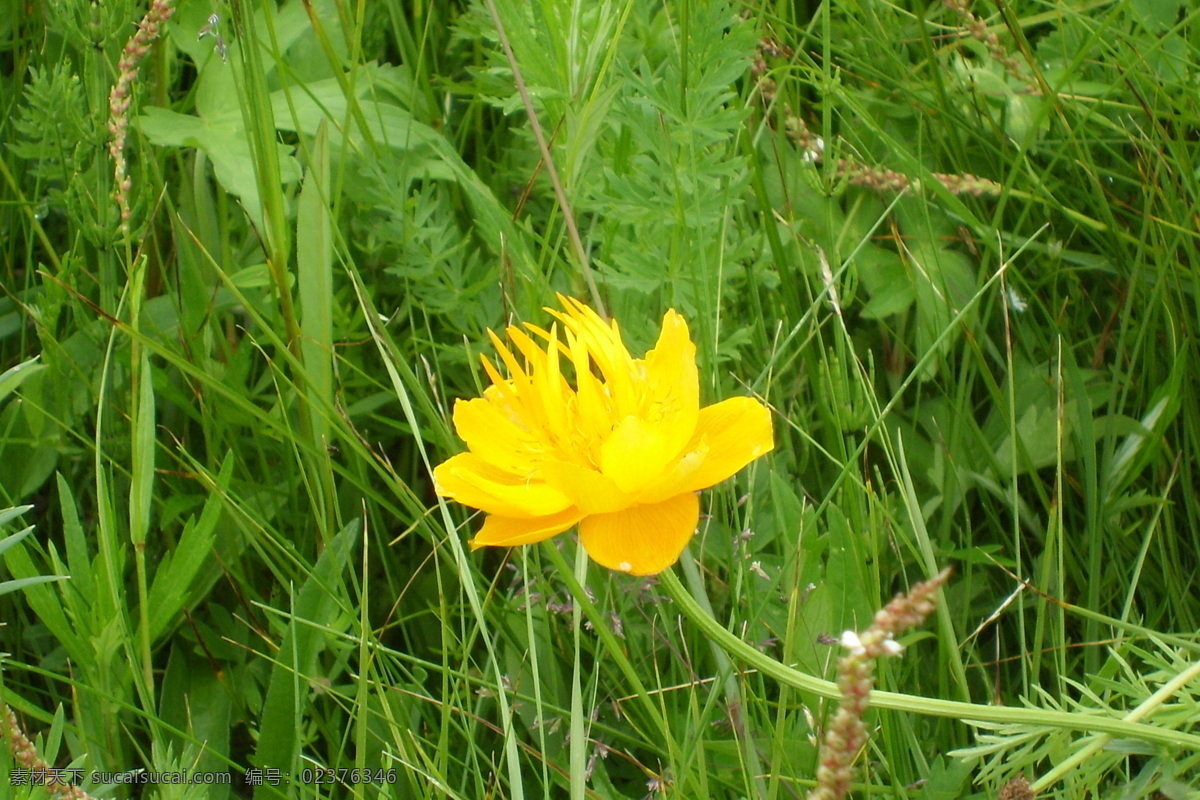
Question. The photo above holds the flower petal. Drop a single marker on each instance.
(677, 477)
(474, 482)
(736, 431)
(508, 532)
(672, 384)
(590, 491)
(641, 447)
(644, 539)
(604, 345)
(592, 406)
(493, 436)
(637, 452)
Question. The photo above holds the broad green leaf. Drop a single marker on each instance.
(79, 562)
(284, 711)
(176, 574)
(1156, 15)
(314, 274)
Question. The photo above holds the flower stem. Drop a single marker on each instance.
(967, 712)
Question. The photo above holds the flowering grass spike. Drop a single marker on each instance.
(621, 450)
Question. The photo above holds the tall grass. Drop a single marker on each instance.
(954, 248)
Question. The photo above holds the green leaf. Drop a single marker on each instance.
(174, 578)
(78, 561)
(9, 514)
(947, 778)
(141, 484)
(1156, 16)
(15, 376)
(21, 583)
(43, 600)
(284, 710)
(224, 140)
(314, 274)
(1139, 447)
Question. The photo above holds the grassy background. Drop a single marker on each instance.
(223, 423)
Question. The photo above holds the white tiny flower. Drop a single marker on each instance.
(851, 642)
(893, 647)
(1015, 301)
(814, 152)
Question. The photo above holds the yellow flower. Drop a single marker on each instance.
(622, 451)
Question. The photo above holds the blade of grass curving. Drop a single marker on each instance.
(535, 671)
(735, 708)
(14, 376)
(947, 636)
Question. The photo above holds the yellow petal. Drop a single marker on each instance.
(644, 539)
(637, 452)
(490, 434)
(519, 378)
(677, 478)
(590, 491)
(473, 482)
(672, 385)
(508, 532)
(603, 343)
(643, 445)
(594, 420)
(736, 431)
(553, 390)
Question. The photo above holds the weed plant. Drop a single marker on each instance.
(952, 246)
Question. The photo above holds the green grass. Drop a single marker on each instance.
(223, 424)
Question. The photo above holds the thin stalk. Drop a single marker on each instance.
(578, 752)
(141, 486)
(927, 706)
(560, 193)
